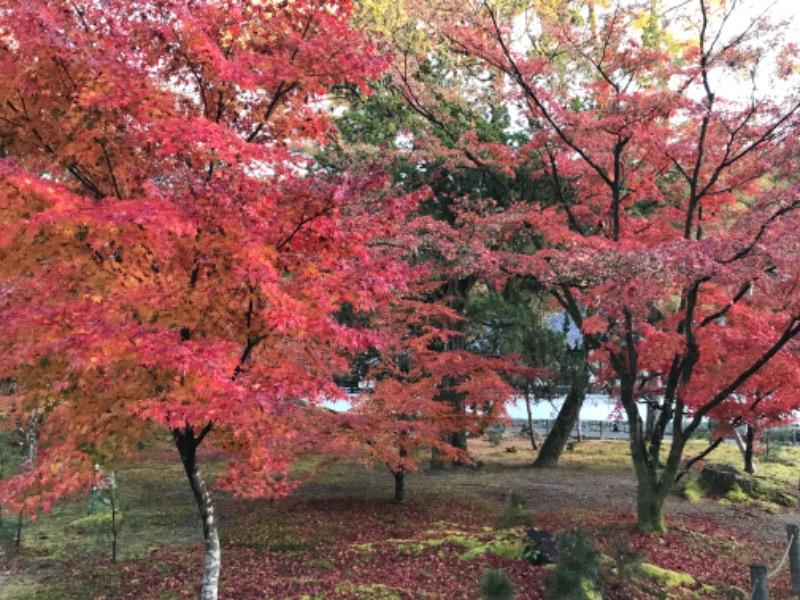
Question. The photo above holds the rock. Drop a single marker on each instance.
(541, 547)
(725, 480)
(718, 480)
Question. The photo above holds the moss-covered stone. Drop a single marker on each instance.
(718, 480)
(736, 487)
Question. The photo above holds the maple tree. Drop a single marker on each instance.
(667, 235)
(443, 118)
(407, 406)
(170, 254)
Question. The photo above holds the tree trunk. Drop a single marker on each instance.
(654, 480)
(437, 464)
(750, 438)
(554, 444)
(650, 419)
(531, 432)
(458, 440)
(650, 508)
(187, 446)
(399, 486)
(113, 526)
(18, 535)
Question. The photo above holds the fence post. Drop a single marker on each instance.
(601, 430)
(758, 582)
(793, 534)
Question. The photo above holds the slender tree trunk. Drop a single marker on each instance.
(531, 432)
(554, 444)
(18, 536)
(113, 527)
(187, 447)
(650, 422)
(750, 438)
(28, 444)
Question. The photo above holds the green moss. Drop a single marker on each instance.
(589, 590)
(22, 590)
(507, 549)
(374, 591)
(692, 492)
(95, 522)
(736, 496)
(506, 544)
(320, 564)
(720, 589)
(665, 576)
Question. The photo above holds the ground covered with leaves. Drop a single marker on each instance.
(340, 536)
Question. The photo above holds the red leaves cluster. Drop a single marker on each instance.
(170, 253)
(665, 228)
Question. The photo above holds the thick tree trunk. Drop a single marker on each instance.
(650, 508)
(654, 480)
(554, 444)
(448, 395)
(399, 486)
(187, 446)
(457, 439)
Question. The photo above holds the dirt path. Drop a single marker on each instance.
(574, 486)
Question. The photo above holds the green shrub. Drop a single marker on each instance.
(496, 585)
(514, 513)
(576, 574)
(495, 436)
(627, 560)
